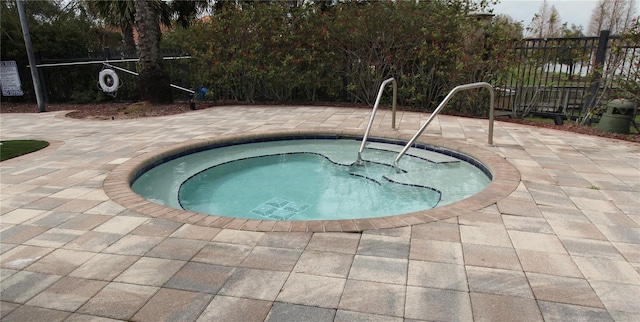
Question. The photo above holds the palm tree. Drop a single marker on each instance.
(119, 14)
(146, 16)
(154, 81)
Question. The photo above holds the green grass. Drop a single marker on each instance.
(16, 148)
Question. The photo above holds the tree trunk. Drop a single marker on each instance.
(153, 81)
(127, 33)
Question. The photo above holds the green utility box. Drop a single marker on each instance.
(618, 117)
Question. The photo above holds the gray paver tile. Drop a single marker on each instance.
(84, 221)
(195, 232)
(150, 271)
(538, 242)
(552, 311)
(234, 309)
(22, 286)
(20, 215)
(373, 298)
(402, 232)
(21, 233)
(67, 294)
(498, 281)
(54, 238)
(6, 273)
(178, 249)
(285, 240)
(104, 267)
(609, 219)
(118, 300)
(548, 263)
(30, 313)
(576, 229)
(324, 264)
(107, 207)
(529, 224)
(312, 290)
(437, 304)
(591, 248)
(93, 241)
(77, 317)
(60, 261)
(621, 234)
(254, 284)
(157, 227)
(491, 307)
(436, 251)
(607, 270)
(121, 225)
(22, 256)
(437, 231)
(618, 297)
(334, 242)
(6, 308)
(383, 246)
(52, 218)
(519, 207)
(133, 245)
(349, 316)
(77, 205)
(491, 235)
(200, 277)
(631, 252)
(379, 269)
(271, 258)
(173, 305)
(238, 237)
(566, 290)
(223, 254)
(429, 274)
(491, 256)
(284, 312)
(5, 247)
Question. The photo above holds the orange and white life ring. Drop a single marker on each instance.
(108, 80)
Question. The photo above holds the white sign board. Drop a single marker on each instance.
(10, 79)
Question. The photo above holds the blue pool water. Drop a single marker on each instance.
(310, 179)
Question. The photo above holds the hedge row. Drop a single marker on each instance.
(272, 52)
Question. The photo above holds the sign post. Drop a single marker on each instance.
(10, 79)
(30, 55)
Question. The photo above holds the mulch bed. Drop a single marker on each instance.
(119, 111)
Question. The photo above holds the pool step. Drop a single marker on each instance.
(419, 153)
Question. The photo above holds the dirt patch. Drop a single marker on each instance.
(119, 111)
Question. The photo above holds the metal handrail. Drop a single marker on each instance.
(373, 114)
(442, 105)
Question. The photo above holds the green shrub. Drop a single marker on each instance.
(262, 51)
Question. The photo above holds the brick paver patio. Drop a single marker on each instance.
(562, 244)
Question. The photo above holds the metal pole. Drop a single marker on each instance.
(442, 105)
(373, 115)
(601, 54)
(30, 56)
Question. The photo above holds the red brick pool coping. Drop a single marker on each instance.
(506, 179)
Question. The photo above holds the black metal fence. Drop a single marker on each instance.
(75, 78)
(566, 76)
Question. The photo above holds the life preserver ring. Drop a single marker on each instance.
(108, 80)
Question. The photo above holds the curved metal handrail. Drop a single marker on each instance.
(442, 105)
(373, 114)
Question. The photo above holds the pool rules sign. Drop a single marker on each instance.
(10, 79)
